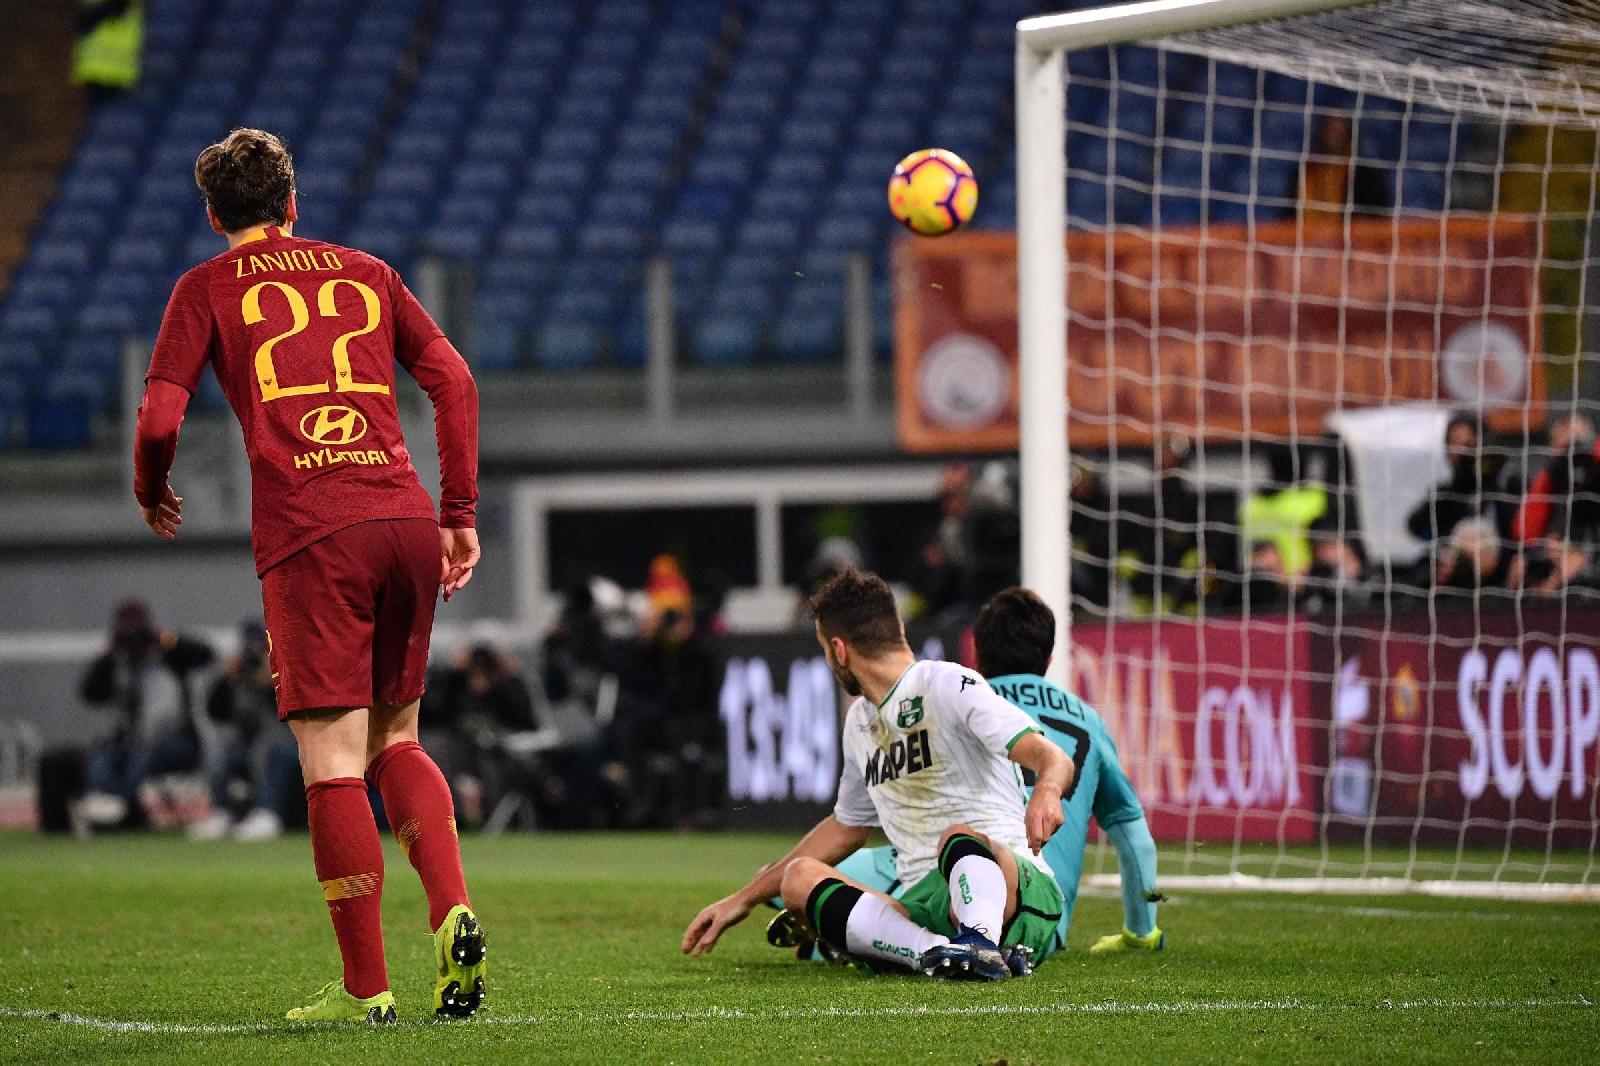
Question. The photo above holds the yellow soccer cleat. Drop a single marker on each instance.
(334, 1004)
(1154, 940)
(460, 950)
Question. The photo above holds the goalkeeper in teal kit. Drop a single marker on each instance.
(1015, 634)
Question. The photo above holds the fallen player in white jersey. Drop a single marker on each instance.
(932, 755)
(1013, 638)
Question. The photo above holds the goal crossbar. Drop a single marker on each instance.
(1122, 23)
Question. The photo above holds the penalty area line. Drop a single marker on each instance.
(726, 1014)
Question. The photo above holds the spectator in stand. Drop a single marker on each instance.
(1338, 572)
(665, 742)
(483, 695)
(1563, 500)
(940, 579)
(1091, 530)
(1557, 526)
(832, 555)
(1276, 522)
(144, 678)
(1334, 183)
(1269, 584)
(1464, 492)
(580, 662)
(577, 651)
(1169, 534)
(993, 536)
(481, 709)
(1304, 535)
(253, 746)
(1473, 558)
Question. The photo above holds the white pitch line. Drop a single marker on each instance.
(1358, 911)
(723, 1014)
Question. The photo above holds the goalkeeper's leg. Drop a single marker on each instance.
(1136, 863)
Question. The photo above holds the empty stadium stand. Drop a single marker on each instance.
(556, 148)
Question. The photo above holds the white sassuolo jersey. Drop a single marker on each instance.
(935, 753)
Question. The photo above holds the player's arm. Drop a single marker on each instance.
(830, 840)
(182, 346)
(155, 446)
(433, 361)
(1053, 773)
(1003, 727)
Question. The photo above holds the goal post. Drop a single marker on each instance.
(1349, 667)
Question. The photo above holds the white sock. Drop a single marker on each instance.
(978, 895)
(875, 930)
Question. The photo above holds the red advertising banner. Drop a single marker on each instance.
(1214, 723)
(1223, 332)
(1468, 727)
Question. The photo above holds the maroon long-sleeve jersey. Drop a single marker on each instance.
(304, 335)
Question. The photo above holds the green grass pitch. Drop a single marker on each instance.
(155, 949)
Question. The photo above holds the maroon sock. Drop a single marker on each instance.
(417, 799)
(349, 859)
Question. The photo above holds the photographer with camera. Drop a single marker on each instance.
(255, 747)
(143, 677)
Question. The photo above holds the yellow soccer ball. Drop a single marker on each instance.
(933, 191)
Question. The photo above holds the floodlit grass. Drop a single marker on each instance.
(207, 945)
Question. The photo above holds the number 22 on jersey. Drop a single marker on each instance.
(266, 371)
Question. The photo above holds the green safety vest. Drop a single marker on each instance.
(109, 53)
(1283, 518)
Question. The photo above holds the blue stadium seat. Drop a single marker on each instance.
(692, 235)
(568, 344)
(616, 238)
(58, 422)
(20, 357)
(769, 235)
(637, 174)
(36, 322)
(550, 144)
(808, 331)
(38, 288)
(1422, 188)
(725, 339)
(533, 238)
(497, 345)
(456, 240)
(93, 353)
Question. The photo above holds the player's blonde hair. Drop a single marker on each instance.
(247, 178)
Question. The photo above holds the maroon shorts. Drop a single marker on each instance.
(349, 616)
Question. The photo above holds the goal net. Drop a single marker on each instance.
(1313, 418)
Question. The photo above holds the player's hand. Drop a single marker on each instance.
(165, 517)
(702, 934)
(459, 553)
(1042, 818)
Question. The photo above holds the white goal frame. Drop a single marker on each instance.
(1042, 43)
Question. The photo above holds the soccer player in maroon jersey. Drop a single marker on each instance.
(304, 336)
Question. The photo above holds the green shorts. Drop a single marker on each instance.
(1037, 916)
